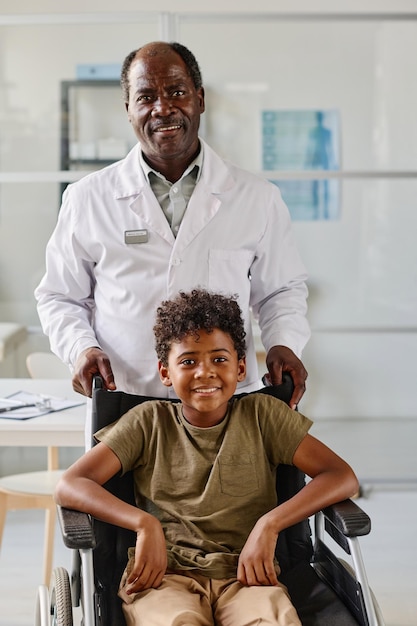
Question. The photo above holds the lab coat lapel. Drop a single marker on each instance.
(146, 206)
(206, 199)
(132, 187)
(201, 208)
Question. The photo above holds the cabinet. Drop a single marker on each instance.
(94, 127)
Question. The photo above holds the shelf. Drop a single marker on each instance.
(93, 161)
(93, 124)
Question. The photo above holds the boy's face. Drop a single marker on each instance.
(204, 371)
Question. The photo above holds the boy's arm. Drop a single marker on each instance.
(80, 488)
(333, 480)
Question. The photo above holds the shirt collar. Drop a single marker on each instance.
(198, 161)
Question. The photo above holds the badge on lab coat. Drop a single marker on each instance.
(136, 236)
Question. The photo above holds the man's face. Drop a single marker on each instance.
(164, 107)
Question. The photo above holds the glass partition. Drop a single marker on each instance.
(36, 60)
(28, 213)
(362, 267)
(365, 70)
(359, 72)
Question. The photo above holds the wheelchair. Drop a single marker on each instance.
(325, 589)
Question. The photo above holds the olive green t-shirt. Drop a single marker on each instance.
(207, 486)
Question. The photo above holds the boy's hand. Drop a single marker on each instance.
(150, 558)
(256, 561)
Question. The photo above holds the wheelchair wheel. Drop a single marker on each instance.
(60, 598)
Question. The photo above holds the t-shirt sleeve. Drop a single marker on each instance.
(127, 437)
(282, 428)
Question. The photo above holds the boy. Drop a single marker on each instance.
(205, 470)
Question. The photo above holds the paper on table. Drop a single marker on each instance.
(26, 412)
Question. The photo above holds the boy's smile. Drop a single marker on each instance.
(204, 370)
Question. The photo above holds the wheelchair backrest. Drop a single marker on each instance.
(110, 556)
(294, 544)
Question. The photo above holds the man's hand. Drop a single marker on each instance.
(150, 558)
(256, 561)
(281, 359)
(91, 362)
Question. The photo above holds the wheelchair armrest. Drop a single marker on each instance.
(77, 529)
(348, 518)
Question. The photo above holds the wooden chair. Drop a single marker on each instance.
(34, 490)
(46, 365)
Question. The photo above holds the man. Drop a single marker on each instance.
(170, 216)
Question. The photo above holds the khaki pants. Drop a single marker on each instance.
(194, 600)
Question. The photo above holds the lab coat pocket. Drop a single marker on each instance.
(229, 272)
(238, 476)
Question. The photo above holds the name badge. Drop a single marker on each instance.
(136, 236)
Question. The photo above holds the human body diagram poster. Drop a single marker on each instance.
(297, 140)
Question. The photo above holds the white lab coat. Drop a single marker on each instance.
(235, 238)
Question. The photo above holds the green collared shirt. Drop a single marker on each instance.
(173, 198)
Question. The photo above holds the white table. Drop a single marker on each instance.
(61, 428)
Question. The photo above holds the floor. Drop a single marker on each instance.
(382, 454)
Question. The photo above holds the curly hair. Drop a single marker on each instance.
(198, 310)
(186, 55)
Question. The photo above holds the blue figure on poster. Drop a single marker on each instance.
(320, 156)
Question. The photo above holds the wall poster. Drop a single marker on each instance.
(304, 140)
